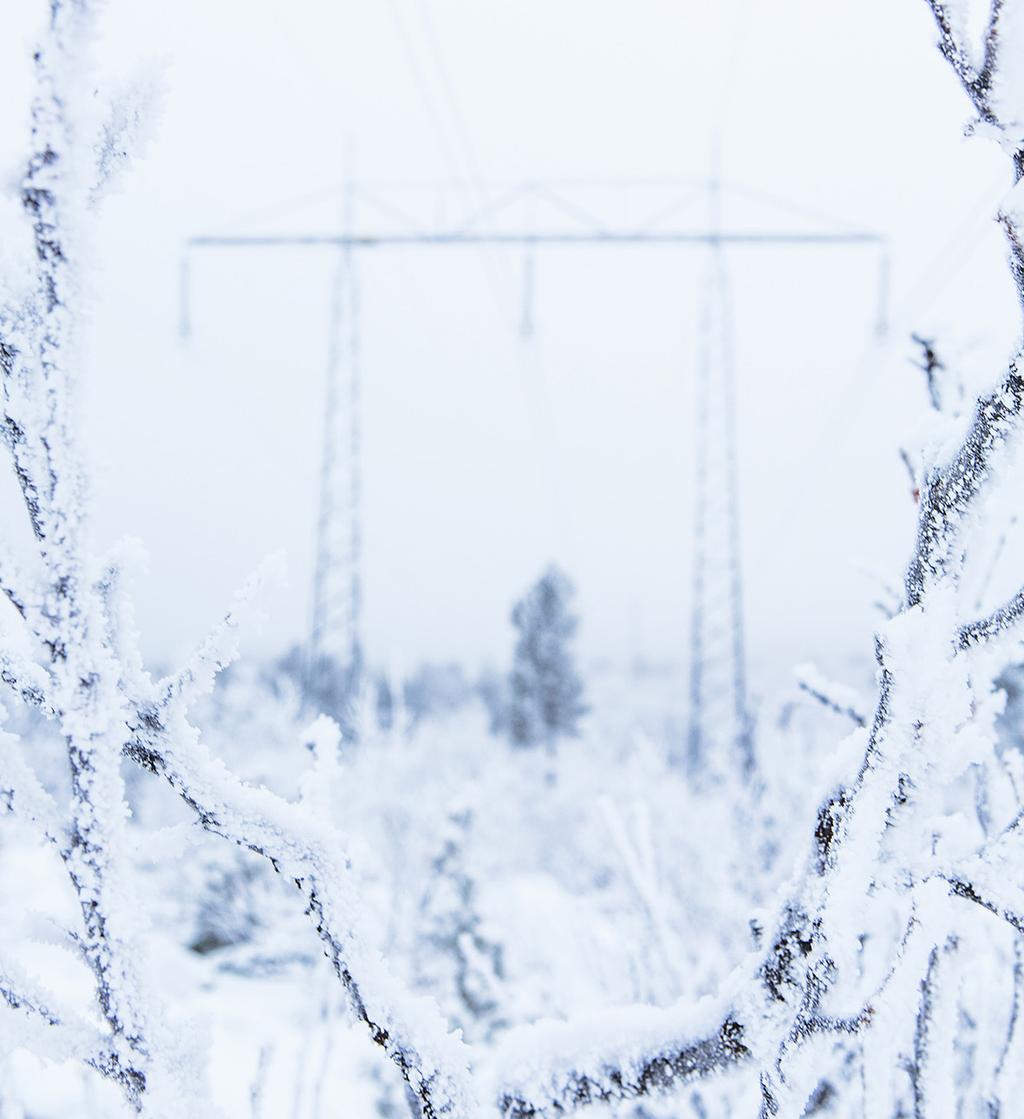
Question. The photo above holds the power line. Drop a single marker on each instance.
(539, 238)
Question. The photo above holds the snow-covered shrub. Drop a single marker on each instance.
(545, 692)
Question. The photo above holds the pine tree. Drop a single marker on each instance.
(546, 694)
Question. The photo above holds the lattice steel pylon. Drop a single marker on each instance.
(335, 648)
(720, 724)
(720, 727)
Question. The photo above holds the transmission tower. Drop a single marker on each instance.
(720, 732)
(335, 650)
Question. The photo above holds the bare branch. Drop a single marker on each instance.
(28, 681)
(956, 55)
(950, 491)
(431, 1060)
(1014, 239)
(122, 135)
(925, 1039)
(1002, 622)
(220, 648)
(991, 48)
(962, 888)
(616, 1075)
(837, 698)
(1011, 1029)
(830, 1024)
(13, 584)
(64, 1035)
(22, 793)
(931, 365)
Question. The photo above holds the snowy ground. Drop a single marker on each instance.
(602, 876)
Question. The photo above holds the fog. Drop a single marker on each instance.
(484, 455)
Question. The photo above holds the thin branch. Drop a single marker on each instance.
(950, 491)
(13, 584)
(121, 135)
(836, 698)
(955, 53)
(220, 648)
(1002, 622)
(23, 795)
(611, 1076)
(67, 1036)
(432, 1061)
(28, 681)
(930, 365)
(962, 888)
(994, 1100)
(991, 48)
(925, 1056)
(832, 1024)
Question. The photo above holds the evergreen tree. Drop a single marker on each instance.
(545, 693)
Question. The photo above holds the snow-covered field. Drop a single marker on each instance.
(599, 878)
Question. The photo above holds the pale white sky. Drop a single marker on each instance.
(482, 459)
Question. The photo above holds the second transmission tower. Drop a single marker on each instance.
(335, 649)
(720, 729)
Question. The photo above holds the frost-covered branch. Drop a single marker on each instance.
(963, 888)
(949, 491)
(555, 1068)
(79, 687)
(930, 1069)
(1001, 622)
(30, 683)
(977, 81)
(308, 851)
(22, 793)
(121, 135)
(220, 648)
(837, 698)
(14, 585)
(61, 1035)
(931, 366)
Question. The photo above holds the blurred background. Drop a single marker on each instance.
(485, 456)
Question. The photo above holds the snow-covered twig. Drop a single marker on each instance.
(1002, 622)
(61, 1035)
(977, 82)
(838, 698)
(962, 888)
(220, 648)
(121, 135)
(950, 490)
(14, 584)
(930, 365)
(21, 791)
(555, 1068)
(28, 681)
(79, 689)
(308, 851)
